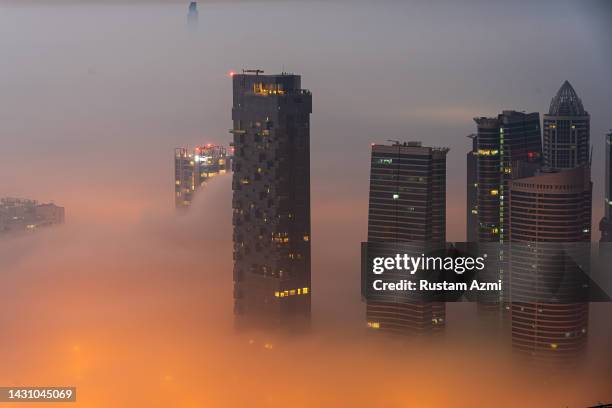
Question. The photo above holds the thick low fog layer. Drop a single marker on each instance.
(139, 313)
(133, 304)
(94, 98)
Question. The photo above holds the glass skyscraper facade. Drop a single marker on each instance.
(606, 222)
(407, 204)
(271, 200)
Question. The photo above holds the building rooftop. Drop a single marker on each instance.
(566, 102)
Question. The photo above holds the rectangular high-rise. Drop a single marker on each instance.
(506, 143)
(271, 200)
(407, 204)
(193, 168)
(548, 211)
(606, 222)
(472, 192)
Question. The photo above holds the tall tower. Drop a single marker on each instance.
(184, 182)
(193, 169)
(505, 144)
(407, 204)
(271, 200)
(549, 211)
(606, 223)
(566, 131)
(193, 15)
(472, 191)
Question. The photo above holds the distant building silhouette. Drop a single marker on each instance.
(566, 131)
(271, 200)
(193, 168)
(472, 191)
(407, 204)
(606, 222)
(193, 14)
(19, 215)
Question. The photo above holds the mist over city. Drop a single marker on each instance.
(132, 301)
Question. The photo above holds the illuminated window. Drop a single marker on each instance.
(374, 325)
(306, 238)
(305, 291)
(494, 192)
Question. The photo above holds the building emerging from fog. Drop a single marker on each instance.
(193, 168)
(606, 222)
(504, 144)
(18, 215)
(566, 131)
(193, 14)
(504, 147)
(407, 204)
(271, 200)
(548, 212)
(472, 191)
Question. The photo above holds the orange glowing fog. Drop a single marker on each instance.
(138, 313)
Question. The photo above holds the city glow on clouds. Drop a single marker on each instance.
(139, 313)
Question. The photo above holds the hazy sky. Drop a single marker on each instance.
(94, 98)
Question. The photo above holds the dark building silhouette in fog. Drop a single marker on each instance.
(606, 222)
(193, 168)
(566, 131)
(193, 14)
(271, 200)
(407, 203)
(20, 215)
(472, 191)
(547, 213)
(504, 143)
(506, 146)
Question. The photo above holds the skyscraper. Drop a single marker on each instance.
(606, 223)
(505, 143)
(192, 15)
(193, 169)
(472, 192)
(271, 200)
(547, 213)
(19, 215)
(407, 204)
(566, 131)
